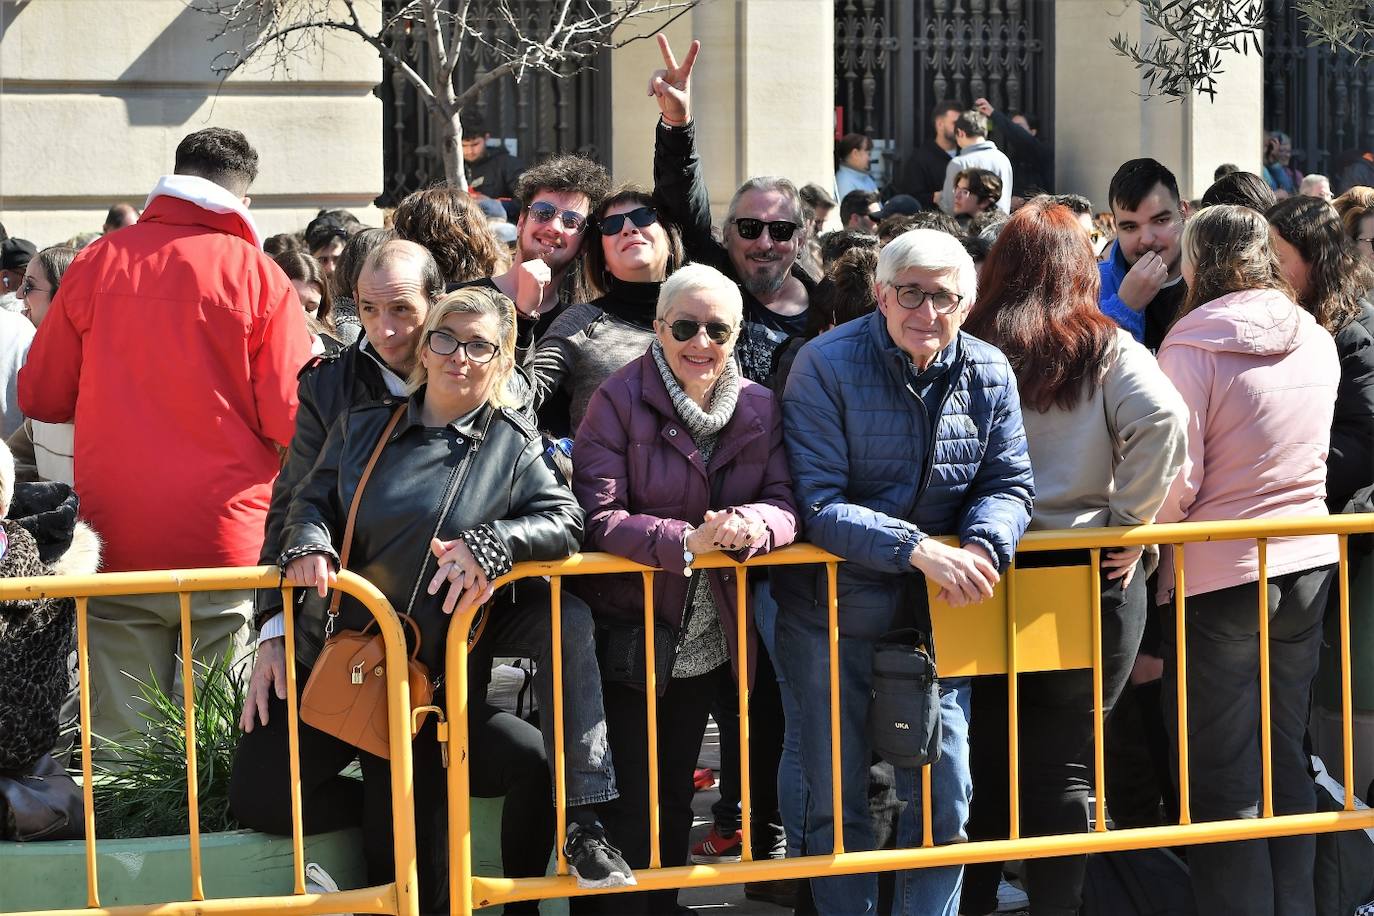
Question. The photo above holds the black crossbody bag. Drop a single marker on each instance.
(904, 700)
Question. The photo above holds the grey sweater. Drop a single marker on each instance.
(583, 347)
(1109, 460)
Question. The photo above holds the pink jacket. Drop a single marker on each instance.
(1259, 377)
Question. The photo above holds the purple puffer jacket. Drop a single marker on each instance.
(641, 480)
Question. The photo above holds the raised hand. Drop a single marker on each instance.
(672, 85)
(983, 107)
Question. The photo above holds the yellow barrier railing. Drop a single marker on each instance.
(1011, 633)
(397, 898)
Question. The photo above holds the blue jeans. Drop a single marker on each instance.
(803, 658)
(791, 786)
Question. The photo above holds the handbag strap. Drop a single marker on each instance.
(346, 547)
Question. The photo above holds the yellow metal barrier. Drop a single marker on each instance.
(1027, 626)
(399, 897)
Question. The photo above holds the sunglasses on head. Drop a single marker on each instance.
(684, 329)
(640, 216)
(544, 212)
(779, 230)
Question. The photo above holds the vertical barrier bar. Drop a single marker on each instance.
(745, 791)
(927, 831)
(1347, 703)
(402, 769)
(1181, 669)
(1266, 723)
(188, 691)
(87, 785)
(1099, 714)
(293, 743)
(833, 637)
(560, 780)
(459, 779)
(651, 711)
(1013, 715)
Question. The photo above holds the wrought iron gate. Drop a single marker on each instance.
(541, 114)
(1322, 98)
(896, 59)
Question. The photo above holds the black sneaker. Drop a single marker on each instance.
(594, 862)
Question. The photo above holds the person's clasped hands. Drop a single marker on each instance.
(727, 529)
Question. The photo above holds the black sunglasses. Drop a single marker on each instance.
(476, 351)
(779, 230)
(544, 212)
(640, 216)
(684, 329)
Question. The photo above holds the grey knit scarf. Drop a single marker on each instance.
(701, 643)
(702, 426)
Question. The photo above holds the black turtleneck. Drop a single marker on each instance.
(635, 303)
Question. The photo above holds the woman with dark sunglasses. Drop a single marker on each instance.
(678, 455)
(624, 266)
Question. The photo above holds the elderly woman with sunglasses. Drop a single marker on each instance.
(627, 262)
(460, 492)
(677, 456)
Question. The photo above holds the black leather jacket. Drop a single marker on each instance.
(485, 476)
(328, 387)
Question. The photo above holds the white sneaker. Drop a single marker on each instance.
(319, 881)
(1011, 898)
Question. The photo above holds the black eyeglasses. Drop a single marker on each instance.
(640, 216)
(779, 230)
(477, 351)
(544, 212)
(1366, 241)
(684, 329)
(913, 297)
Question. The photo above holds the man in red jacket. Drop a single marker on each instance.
(173, 346)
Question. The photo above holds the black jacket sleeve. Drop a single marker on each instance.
(313, 515)
(300, 458)
(545, 522)
(680, 190)
(1350, 463)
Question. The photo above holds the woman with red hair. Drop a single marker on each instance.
(1105, 429)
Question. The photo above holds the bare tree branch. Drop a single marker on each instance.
(563, 39)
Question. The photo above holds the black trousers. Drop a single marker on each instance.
(1056, 744)
(1250, 877)
(682, 712)
(765, 750)
(507, 758)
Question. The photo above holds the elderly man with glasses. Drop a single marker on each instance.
(898, 428)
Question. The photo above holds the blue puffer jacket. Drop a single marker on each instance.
(1113, 270)
(869, 481)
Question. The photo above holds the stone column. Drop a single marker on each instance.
(96, 96)
(1101, 119)
(763, 94)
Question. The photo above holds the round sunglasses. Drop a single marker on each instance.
(684, 329)
(544, 212)
(642, 217)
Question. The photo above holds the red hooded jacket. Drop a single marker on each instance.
(174, 346)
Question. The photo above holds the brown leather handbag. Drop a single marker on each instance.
(345, 695)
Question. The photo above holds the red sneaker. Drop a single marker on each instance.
(703, 778)
(715, 848)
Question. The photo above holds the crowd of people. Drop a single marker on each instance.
(553, 362)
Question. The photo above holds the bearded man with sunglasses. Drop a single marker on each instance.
(557, 198)
(765, 226)
(898, 428)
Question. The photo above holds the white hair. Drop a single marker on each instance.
(6, 479)
(1313, 185)
(929, 249)
(699, 278)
